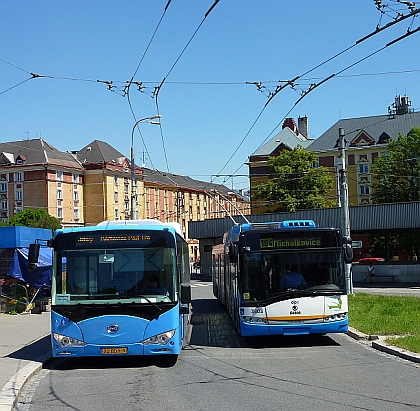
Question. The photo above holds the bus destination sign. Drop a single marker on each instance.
(302, 242)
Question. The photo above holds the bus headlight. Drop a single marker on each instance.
(65, 341)
(161, 339)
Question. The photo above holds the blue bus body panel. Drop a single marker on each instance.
(251, 330)
(131, 332)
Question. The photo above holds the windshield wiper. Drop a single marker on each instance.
(282, 295)
(150, 302)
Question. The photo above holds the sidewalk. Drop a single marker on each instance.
(25, 342)
(24, 347)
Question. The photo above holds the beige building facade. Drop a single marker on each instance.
(33, 174)
(366, 138)
(94, 184)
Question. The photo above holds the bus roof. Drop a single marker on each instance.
(233, 233)
(147, 224)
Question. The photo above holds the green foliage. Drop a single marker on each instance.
(396, 317)
(407, 242)
(35, 218)
(294, 183)
(398, 172)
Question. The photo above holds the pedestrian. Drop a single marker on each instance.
(370, 273)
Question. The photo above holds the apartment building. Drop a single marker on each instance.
(177, 198)
(288, 138)
(34, 174)
(366, 138)
(107, 183)
(166, 197)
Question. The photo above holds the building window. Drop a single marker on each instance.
(76, 214)
(59, 175)
(116, 214)
(75, 196)
(59, 194)
(18, 176)
(363, 169)
(364, 190)
(60, 213)
(115, 196)
(75, 178)
(18, 195)
(4, 205)
(116, 180)
(3, 187)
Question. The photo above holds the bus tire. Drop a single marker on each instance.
(167, 361)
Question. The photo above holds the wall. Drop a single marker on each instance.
(406, 273)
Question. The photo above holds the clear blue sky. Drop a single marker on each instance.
(212, 120)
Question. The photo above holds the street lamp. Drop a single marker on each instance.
(133, 177)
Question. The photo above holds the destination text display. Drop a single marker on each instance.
(290, 242)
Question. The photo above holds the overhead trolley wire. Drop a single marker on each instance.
(127, 87)
(158, 88)
(313, 86)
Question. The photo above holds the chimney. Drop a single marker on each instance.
(290, 122)
(303, 126)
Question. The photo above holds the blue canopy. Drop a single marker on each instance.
(41, 277)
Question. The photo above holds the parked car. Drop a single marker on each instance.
(368, 260)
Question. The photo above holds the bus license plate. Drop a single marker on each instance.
(115, 350)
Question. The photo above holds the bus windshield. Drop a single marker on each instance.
(123, 272)
(265, 273)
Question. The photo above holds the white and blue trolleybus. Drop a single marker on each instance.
(120, 288)
(283, 278)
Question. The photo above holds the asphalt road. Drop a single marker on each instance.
(219, 370)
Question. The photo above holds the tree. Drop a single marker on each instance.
(397, 173)
(294, 183)
(35, 218)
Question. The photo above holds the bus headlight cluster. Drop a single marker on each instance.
(254, 320)
(336, 317)
(65, 341)
(161, 339)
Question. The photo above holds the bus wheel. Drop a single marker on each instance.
(167, 361)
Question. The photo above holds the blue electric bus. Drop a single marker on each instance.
(255, 271)
(101, 305)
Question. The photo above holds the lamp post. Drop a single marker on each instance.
(133, 176)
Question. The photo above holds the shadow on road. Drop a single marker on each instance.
(32, 351)
(212, 326)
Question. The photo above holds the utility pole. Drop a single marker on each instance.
(344, 199)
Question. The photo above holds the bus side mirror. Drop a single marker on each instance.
(348, 250)
(233, 253)
(185, 293)
(33, 256)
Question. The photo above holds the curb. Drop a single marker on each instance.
(10, 392)
(378, 343)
